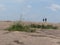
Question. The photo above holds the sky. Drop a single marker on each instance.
(30, 10)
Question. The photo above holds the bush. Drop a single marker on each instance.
(43, 26)
(29, 28)
(35, 26)
(51, 27)
(20, 27)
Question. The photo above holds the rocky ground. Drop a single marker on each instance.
(41, 37)
(23, 38)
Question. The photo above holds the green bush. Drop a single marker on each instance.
(51, 27)
(29, 28)
(43, 26)
(20, 27)
(35, 26)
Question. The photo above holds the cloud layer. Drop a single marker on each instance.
(54, 7)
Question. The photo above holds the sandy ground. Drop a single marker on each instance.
(41, 37)
(23, 38)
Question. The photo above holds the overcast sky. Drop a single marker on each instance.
(31, 10)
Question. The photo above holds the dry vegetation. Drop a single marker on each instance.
(20, 33)
(19, 26)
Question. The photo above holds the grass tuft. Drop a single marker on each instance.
(20, 27)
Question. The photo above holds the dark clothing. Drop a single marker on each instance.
(44, 19)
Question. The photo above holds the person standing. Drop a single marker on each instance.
(45, 19)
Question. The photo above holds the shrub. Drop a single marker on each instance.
(20, 27)
(35, 26)
(43, 26)
(51, 27)
(55, 27)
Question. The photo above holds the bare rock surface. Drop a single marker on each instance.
(24, 38)
(41, 37)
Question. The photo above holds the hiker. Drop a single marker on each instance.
(45, 19)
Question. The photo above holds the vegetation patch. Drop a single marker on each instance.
(43, 26)
(29, 28)
(20, 27)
